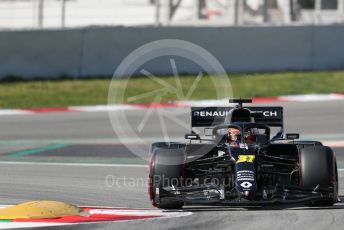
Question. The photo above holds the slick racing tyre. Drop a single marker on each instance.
(166, 169)
(318, 167)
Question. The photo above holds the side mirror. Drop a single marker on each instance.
(192, 136)
(292, 136)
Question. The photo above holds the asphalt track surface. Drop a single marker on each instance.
(84, 134)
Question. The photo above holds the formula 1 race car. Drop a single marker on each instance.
(236, 162)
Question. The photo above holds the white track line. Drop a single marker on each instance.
(18, 225)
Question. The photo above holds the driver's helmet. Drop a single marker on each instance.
(233, 135)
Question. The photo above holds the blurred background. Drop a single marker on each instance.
(33, 14)
(299, 41)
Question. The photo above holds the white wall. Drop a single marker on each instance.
(98, 51)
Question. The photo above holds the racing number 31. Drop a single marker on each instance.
(245, 158)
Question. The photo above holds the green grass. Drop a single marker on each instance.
(67, 92)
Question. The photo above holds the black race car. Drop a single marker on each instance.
(236, 162)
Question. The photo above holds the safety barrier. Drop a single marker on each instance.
(97, 51)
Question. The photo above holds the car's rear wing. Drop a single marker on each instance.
(211, 116)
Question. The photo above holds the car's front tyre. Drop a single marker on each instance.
(318, 167)
(165, 169)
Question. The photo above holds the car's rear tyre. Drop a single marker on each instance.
(318, 167)
(166, 169)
